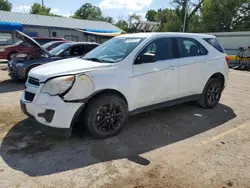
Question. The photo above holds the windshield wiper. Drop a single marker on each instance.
(94, 59)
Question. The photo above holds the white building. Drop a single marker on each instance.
(232, 41)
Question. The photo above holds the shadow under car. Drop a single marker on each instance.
(27, 149)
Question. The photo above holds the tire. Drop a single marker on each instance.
(211, 94)
(11, 54)
(105, 115)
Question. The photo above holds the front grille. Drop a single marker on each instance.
(29, 96)
(33, 81)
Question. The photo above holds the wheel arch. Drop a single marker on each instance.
(11, 52)
(98, 93)
(219, 76)
(29, 68)
(106, 91)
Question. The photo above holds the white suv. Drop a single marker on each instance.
(126, 75)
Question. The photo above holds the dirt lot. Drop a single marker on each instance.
(182, 146)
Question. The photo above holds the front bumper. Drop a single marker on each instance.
(51, 112)
(16, 73)
(46, 129)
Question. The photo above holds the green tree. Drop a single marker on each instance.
(151, 15)
(107, 19)
(196, 24)
(182, 5)
(133, 20)
(88, 12)
(37, 8)
(168, 19)
(56, 15)
(123, 25)
(5, 5)
(230, 15)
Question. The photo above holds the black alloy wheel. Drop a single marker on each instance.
(105, 115)
(109, 117)
(211, 94)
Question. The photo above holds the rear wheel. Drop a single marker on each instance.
(105, 115)
(211, 94)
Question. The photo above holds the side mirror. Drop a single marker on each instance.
(146, 58)
(66, 53)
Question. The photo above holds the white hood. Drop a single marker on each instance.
(64, 67)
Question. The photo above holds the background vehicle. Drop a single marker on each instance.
(23, 62)
(44, 40)
(6, 52)
(50, 45)
(128, 74)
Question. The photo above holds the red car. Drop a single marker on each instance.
(44, 40)
(6, 52)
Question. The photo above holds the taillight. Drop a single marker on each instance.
(227, 59)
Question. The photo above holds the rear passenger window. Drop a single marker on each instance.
(189, 47)
(213, 42)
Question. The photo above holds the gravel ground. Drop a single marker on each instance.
(181, 146)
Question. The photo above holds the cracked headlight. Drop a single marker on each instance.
(59, 85)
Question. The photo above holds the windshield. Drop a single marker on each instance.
(47, 45)
(18, 42)
(59, 49)
(114, 50)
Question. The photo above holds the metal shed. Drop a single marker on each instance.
(50, 26)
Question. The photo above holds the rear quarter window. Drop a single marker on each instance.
(214, 42)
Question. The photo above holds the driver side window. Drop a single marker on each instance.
(151, 48)
(161, 49)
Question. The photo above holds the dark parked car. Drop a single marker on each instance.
(51, 45)
(7, 52)
(22, 63)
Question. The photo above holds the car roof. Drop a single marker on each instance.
(58, 38)
(75, 43)
(58, 41)
(169, 34)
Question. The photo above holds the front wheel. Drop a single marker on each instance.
(211, 94)
(105, 115)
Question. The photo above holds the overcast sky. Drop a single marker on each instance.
(113, 8)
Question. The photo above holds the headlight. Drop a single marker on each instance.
(59, 85)
(2, 49)
(19, 65)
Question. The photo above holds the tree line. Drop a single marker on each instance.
(198, 15)
(203, 16)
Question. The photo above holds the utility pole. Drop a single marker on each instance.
(23, 8)
(185, 17)
(42, 7)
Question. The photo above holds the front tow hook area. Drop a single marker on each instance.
(47, 115)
